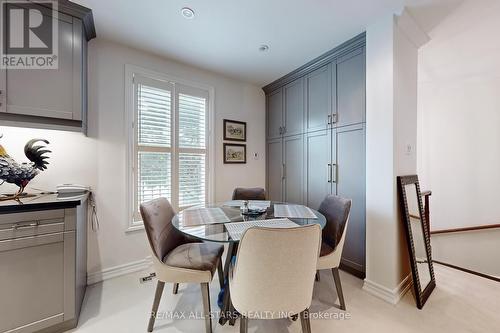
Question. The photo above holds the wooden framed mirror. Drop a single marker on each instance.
(417, 237)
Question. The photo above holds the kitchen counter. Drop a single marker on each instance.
(42, 201)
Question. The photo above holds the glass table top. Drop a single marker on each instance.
(207, 222)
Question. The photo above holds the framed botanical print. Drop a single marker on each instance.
(235, 130)
(235, 153)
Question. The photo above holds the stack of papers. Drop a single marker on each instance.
(294, 211)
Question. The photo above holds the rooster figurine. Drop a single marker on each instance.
(21, 174)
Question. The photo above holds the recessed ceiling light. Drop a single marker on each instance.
(187, 13)
(263, 48)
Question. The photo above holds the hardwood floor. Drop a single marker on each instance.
(461, 302)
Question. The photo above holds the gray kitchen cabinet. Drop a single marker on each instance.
(351, 87)
(328, 155)
(56, 97)
(275, 114)
(319, 92)
(293, 169)
(43, 260)
(275, 169)
(52, 93)
(294, 108)
(318, 160)
(350, 180)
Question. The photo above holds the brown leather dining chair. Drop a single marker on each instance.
(177, 259)
(256, 193)
(336, 210)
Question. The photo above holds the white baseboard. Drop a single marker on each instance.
(112, 272)
(391, 296)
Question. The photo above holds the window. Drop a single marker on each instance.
(169, 153)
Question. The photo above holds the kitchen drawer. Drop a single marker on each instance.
(31, 228)
(31, 216)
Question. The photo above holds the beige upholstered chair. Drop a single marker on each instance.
(274, 273)
(177, 259)
(256, 193)
(336, 211)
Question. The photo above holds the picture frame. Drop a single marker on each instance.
(235, 130)
(235, 153)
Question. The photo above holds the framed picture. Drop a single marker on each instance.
(235, 153)
(235, 130)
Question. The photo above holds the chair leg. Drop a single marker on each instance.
(221, 274)
(243, 324)
(304, 320)
(338, 285)
(317, 275)
(156, 303)
(175, 288)
(205, 292)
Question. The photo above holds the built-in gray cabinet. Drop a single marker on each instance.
(275, 114)
(275, 172)
(325, 154)
(51, 93)
(350, 91)
(293, 168)
(294, 108)
(319, 98)
(57, 97)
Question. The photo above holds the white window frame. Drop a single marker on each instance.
(132, 71)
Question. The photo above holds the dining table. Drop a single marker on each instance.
(215, 222)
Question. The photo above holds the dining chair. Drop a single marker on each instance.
(256, 193)
(336, 210)
(177, 259)
(274, 273)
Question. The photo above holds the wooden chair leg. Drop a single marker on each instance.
(156, 303)
(304, 320)
(338, 285)
(221, 274)
(317, 275)
(243, 324)
(175, 289)
(205, 292)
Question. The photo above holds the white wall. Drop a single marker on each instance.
(459, 136)
(459, 116)
(99, 159)
(391, 87)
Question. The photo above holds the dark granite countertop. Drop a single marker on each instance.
(42, 201)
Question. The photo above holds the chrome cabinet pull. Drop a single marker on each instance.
(329, 117)
(283, 170)
(334, 173)
(329, 172)
(18, 226)
(334, 118)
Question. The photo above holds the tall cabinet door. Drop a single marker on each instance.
(2, 90)
(293, 153)
(53, 93)
(318, 98)
(351, 88)
(274, 114)
(294, 108)
(275, 169)
(318, 173)
(350, 183)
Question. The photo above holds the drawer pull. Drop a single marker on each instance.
(18, 226)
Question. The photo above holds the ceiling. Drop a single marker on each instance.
(225, 35)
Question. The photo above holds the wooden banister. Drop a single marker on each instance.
(462, 229)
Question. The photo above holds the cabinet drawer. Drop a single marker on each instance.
(31, 228)
(32, 216)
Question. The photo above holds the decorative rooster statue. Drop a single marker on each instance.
(21, 174)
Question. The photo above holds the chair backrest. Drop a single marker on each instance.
(275, 270)
(336, 210)
(157, 216)
(256, 193)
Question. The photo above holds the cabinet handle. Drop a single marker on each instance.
(284, 129)
(329, 117)
(334, 118)
(329, 172)
(283, 170)
(334, 173)
(18, 226)
(281, 130)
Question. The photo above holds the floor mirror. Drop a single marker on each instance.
(417, 237)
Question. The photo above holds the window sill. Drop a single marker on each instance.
(134, 227)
